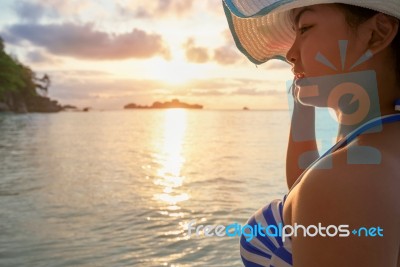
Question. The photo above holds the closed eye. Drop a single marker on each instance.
(304, 29)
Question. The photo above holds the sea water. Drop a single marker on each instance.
(118, 188)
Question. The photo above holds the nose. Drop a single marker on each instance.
(292, 55)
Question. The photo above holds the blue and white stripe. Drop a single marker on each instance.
(268, 250)
(272, 251)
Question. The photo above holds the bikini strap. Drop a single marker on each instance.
(349, 138)
(362, 129)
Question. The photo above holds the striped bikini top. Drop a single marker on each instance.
(272, 251)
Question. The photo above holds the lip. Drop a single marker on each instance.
(299, 75)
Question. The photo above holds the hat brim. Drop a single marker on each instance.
(262, 29)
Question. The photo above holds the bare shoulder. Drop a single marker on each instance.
(335, 192)
(351, 179)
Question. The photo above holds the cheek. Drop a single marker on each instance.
(326, 45)
(313, 66)
(356, 49)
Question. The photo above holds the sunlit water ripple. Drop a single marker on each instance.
(118, 188)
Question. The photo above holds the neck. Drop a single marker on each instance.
(389, 92)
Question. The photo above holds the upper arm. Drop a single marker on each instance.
(342, 196)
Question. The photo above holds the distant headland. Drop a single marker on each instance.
(21, 90)
(175, 103)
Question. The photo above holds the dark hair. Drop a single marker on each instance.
(356, 15)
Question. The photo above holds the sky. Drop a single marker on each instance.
(105, 54)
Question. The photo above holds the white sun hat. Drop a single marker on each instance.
(262, 29)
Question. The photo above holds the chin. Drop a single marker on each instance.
(355, 94)
(309, 93)
(307, 100)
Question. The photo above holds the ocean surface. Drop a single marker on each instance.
(118, 188)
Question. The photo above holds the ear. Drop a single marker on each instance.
(383, 30)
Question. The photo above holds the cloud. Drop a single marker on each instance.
(100, 90)
(179, 7)
(84, 42)
(70, 7)
(227, 55)
(105, 91)
(183, 92)
(40, 57)
(228, 36)
(29, 11)
(211, 92)
(277, 64)
(196, 54)
(81, 73)
(230, 87)
(53, 8)
(223, 55)
(228, 92)
(155, 9)
(35, 10)
(256, 92)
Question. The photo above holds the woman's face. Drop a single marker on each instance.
(319, 28)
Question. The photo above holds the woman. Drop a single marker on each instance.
(336, 50)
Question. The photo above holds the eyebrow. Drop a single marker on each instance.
(297, 18)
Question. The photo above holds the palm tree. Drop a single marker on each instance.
(43, 84)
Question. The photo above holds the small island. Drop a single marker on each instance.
(175, 103)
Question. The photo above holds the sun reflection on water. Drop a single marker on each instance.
(171, 159)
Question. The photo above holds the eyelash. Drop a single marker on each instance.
(304, 29)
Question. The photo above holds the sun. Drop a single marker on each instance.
(174, 72)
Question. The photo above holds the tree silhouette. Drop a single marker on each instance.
(16, 77)
(10, 73)
(43, 84)
(1, 44)
(21, 89)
